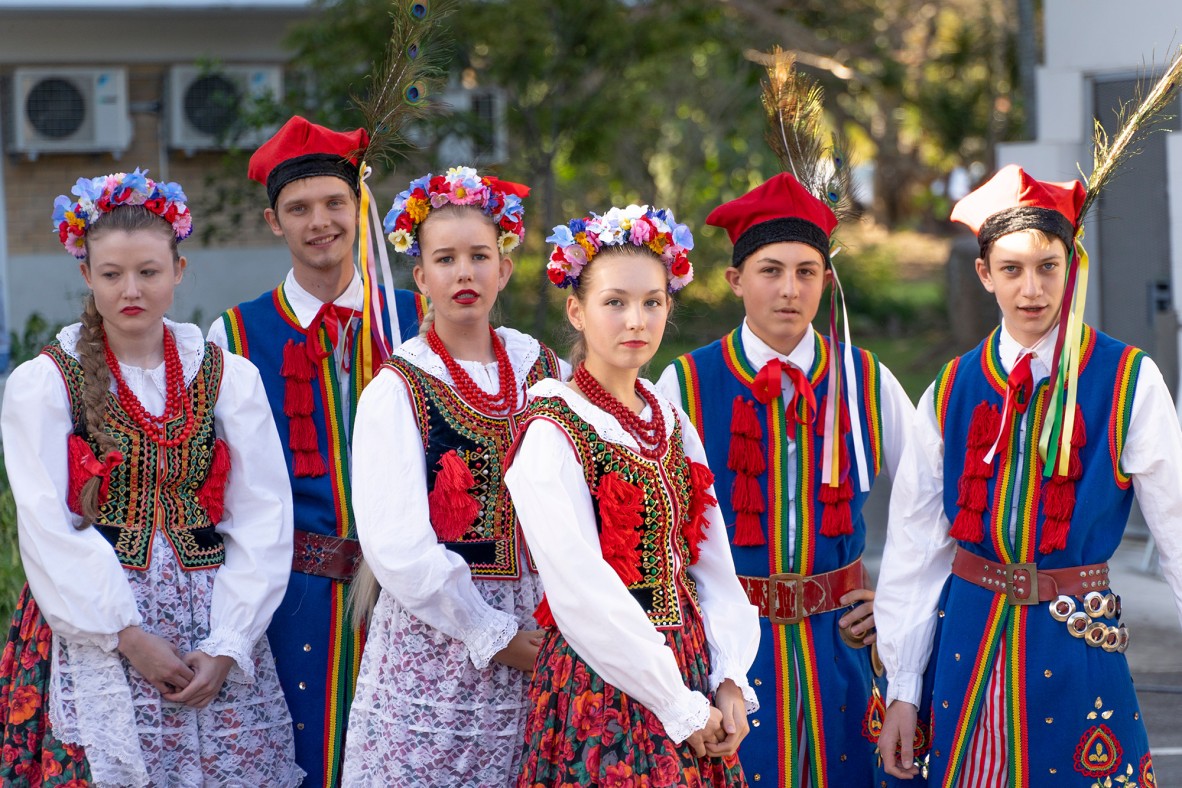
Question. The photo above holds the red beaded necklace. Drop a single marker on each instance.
(176, 398)
(649, 435)
(506, 397)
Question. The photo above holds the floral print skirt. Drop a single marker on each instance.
(583, 731)
(32, 755)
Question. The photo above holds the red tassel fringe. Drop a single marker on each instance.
(212, 495)
(836, 519)
(82, 466)
(621, 507)
(973, 489)
(543, 615)
(746, 458)
(696, 524)
(297, 371)
(452, 507)
(1058, 494)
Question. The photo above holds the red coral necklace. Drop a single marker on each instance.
(175, 397)
(506, 397)
(650, 435)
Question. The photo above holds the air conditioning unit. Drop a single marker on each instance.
(70, 110)
(484, 140)
(205, 105)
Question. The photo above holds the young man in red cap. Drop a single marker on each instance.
(994, 601)
(307, 340)
(792, 473)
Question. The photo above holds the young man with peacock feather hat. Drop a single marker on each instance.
(318, 339)
(797, 426)
(998, 627)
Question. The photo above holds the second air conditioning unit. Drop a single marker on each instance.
(70, 110)
(206, 106)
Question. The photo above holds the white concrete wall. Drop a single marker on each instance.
(1107, 36)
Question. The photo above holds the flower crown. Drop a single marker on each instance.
(497, 199)
(577, 242)
(97, 196)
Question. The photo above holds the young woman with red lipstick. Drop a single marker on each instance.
(441, 696)
(642, 676)
(155, 528)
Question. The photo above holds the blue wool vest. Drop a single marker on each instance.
(805, 664)
(1071, 713)
(317, 650)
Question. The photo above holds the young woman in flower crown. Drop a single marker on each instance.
(155, 528)
(441, 697)
(642, 676)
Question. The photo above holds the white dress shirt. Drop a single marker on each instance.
(75, 575)
(593, 609)
(390, 501)
(918, 555)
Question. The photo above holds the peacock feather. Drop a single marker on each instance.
(794, 104)
(396, 90)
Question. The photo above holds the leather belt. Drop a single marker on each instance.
(1026, 584)
(790, 598)
(325, 556)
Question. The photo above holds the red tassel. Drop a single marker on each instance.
(79, 455)
(836, 518)
(452, 507)
(696, 524)
(298, 404)
(82, 466)
(307, 464)
(212, 495)
(543, 615)
(302, 434)
(973, 490)
(297, 398)
(745, 456)
(621, 507)
(969, 526)
(296, 363)
(1058, 493)
(744, 422)
(746, 495)
(748, 530)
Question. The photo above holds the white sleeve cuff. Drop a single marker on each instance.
(682, 720)
(228, 643)
(484, 644)
(905, 686)
(724, 672)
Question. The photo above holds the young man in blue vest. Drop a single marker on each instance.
(994, 603)
(760, 398)
(306, 338)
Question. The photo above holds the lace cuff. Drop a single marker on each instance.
(725, 672)
(90, 704)
(682, 720)
(484, 643)
(228, 643)
(905, 686)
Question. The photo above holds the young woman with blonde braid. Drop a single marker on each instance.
(154, 516)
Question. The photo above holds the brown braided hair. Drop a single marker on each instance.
(96, 377)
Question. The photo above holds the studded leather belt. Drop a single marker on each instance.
(790, 598)
(325, 556)
(1026, 584)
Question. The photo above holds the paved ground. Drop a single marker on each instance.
(1155, 646)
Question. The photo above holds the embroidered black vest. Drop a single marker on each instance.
(447, 422)
(155, 489)
(664, 552)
